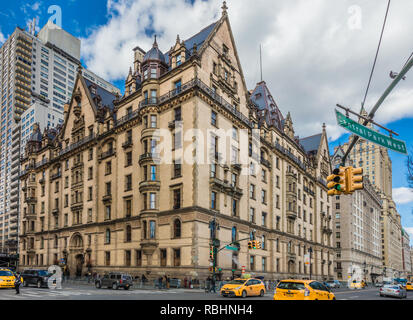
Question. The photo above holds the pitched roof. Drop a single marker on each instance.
(263, 100)
(198, 38)
(311, 144)
(106, 97)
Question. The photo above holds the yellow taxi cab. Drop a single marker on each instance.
(409, 286)
(6, 278)
(243, 288)
(356, 285)
(302, 290)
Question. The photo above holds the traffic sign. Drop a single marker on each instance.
(371, 135)
(231, 248)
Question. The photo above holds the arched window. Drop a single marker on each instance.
(107, 236)
(128, 233)
(234, 234)
(177, 228)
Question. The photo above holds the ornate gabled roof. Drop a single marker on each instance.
(101, 95)
(311, 144)
(266, 106)
(197, 39)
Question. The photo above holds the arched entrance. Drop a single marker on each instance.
(76, 255)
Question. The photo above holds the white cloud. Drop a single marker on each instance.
(312, 59)
(2, 38)
(403, 195)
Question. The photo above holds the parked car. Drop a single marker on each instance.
(115, 280)
(393, 290)
(334, 283)
(378, 284)
(35, 277)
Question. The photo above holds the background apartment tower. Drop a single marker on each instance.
(37, 72)
(377, 167)
(357, 232)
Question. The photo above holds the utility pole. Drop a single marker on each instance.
(401, 75)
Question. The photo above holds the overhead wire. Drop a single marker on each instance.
(377, 54)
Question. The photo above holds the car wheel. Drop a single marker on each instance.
(115, 286)
(98, 285)
(244, 294)
(39, 284)
(262, 293)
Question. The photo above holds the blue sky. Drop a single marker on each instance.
(311, 61)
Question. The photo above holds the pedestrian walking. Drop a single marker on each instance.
(213, 285)
(17, 283)
(167, 282)
(208, 284)
(160, 282)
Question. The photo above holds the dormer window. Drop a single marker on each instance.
(145, 74)
(225, 50)
(178, 60)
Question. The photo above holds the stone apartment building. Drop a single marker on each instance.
(98, 195)
(377, 167)
(357, 232)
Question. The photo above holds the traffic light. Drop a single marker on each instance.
(258, 244)
(250, 244)
(354, 177)
(337, 182)
(211, 253)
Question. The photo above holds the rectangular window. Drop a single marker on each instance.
(108, 213)
(128, 208)
(152, 229)
(178, 114)
(107, 258)
(163, 257)
(214, 118)
(128, 182)
(177, 257)
(213, 200)
(152, 201)
(177, 198)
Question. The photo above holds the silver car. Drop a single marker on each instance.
(393, 290)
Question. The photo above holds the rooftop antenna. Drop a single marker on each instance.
(261, 62)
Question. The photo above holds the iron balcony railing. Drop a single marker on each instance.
(206, 89)
(77, 144)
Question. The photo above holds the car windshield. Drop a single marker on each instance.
(236, 282)
(43, 273)
(291, 286)
(5, 273)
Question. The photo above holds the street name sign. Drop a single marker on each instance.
(231, 248)
(371, 135)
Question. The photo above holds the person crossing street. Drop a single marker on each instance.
(17, 283)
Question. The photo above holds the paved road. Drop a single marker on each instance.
(84, 292)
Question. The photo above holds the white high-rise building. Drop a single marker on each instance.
(36, 71)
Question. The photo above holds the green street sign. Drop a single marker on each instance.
(231, 248)
(371, 135)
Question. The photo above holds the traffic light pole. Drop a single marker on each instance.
(405, 69)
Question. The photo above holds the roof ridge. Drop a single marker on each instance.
(314, 135)
(201, 31)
